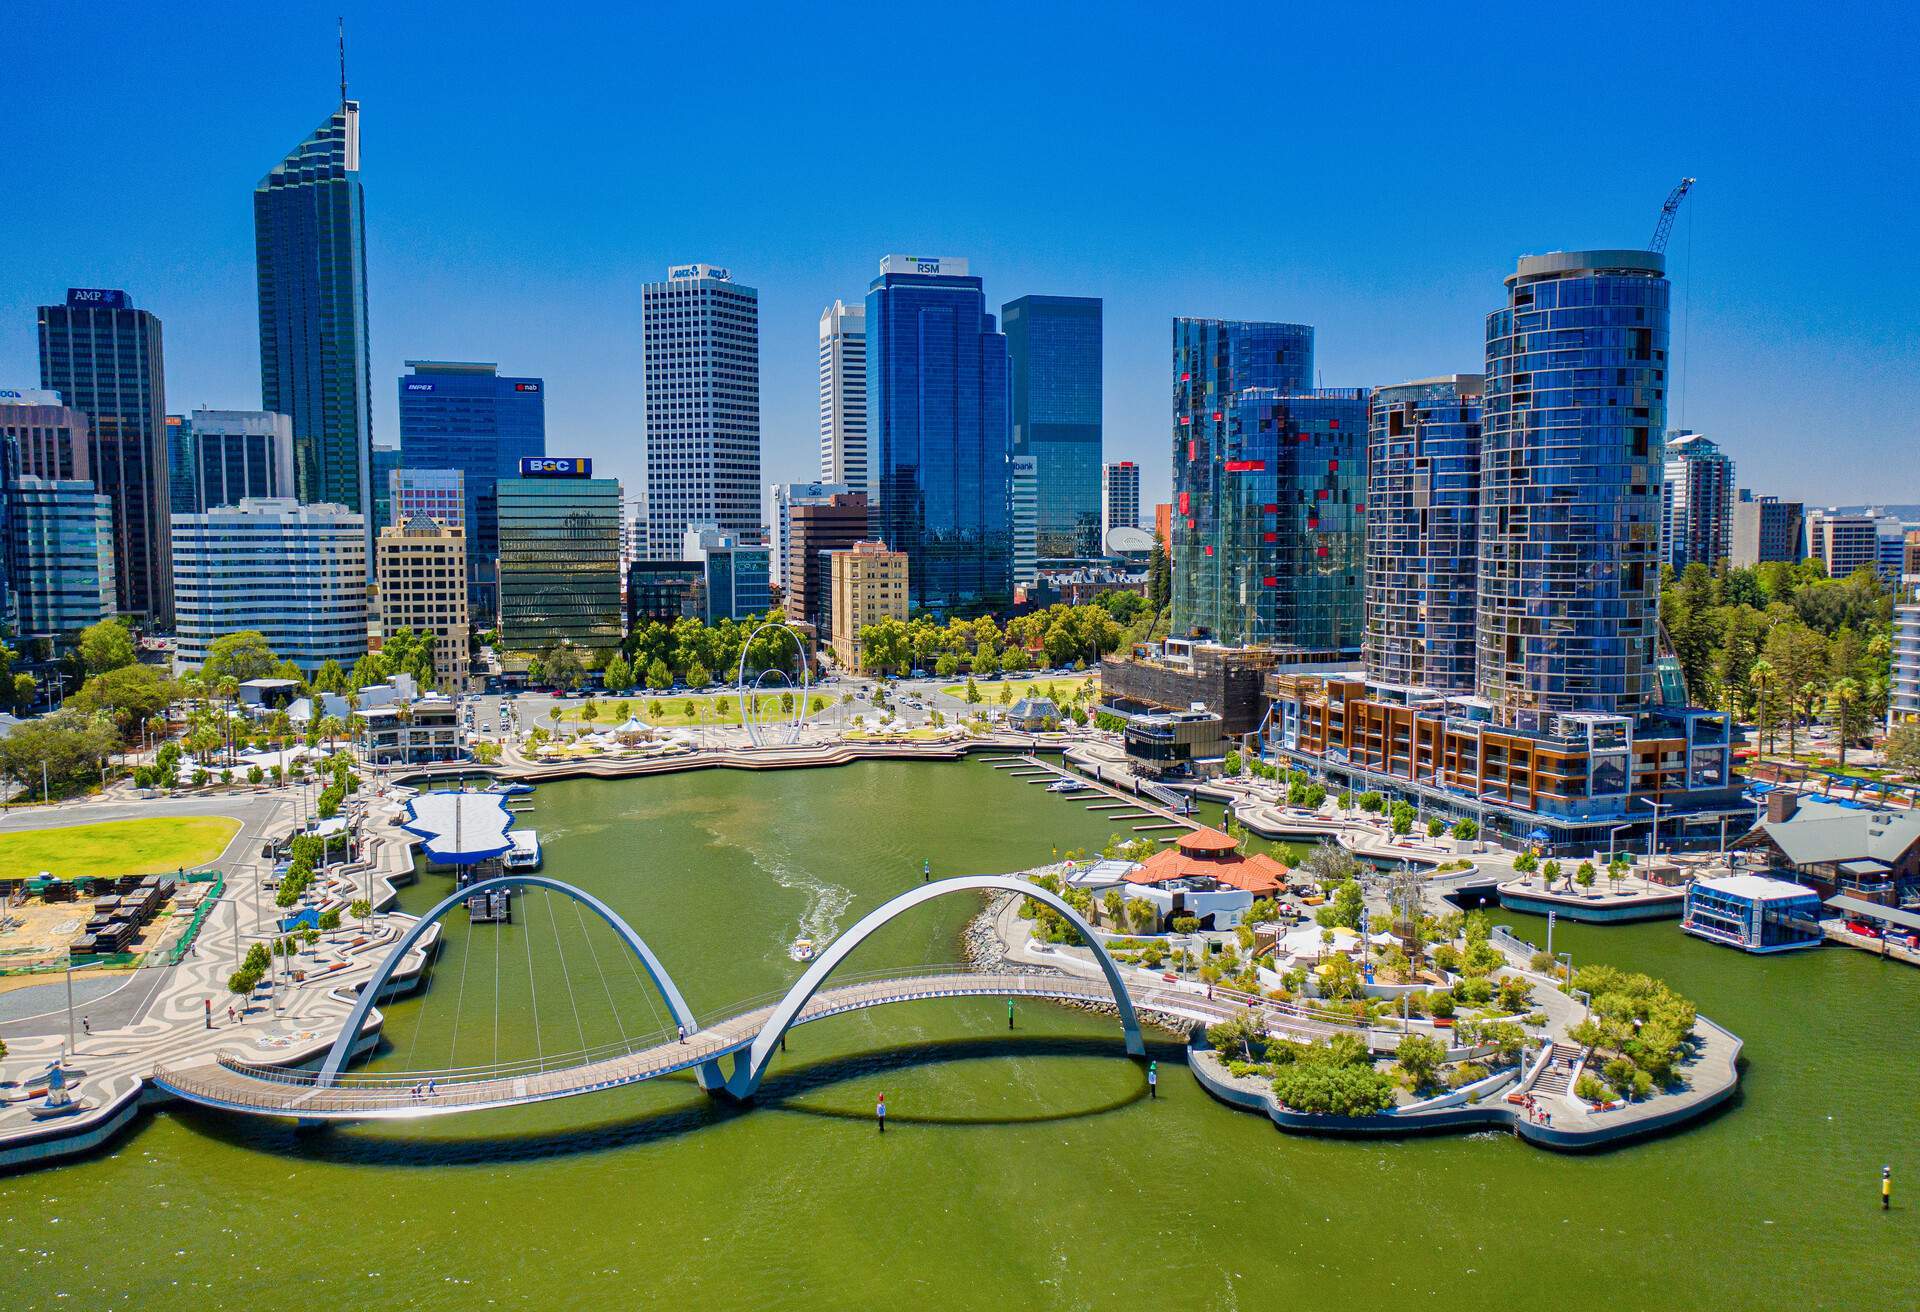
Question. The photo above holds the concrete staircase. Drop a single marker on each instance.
(1557, 1076)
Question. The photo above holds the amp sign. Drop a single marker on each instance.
(556, 466)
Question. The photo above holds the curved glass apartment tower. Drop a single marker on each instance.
(1423, 508)
(1570, 470)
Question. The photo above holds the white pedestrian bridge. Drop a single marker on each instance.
(747, 1038)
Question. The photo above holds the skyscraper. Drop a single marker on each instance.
(1570, 478)
(310, 249)
(1697, 502)
(457, 414)
(1422, 517)
(1269, 490)
(701, 386)
(843, 396)
(1054, 347)
(1119, 498)
(1025, 486)
(386, 463)
(938, 433)
(239, 454)
(104, 358)
(439, 494)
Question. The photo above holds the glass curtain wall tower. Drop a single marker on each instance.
(104, 357)
(1570, 476)
(1423, 507)
(310, 249)
(463, 415)
(1054, 344)
(938, 433)
(843, 396)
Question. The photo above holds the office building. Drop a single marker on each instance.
(1697, 502)
(1119, 497)
(1025, 491)
(559, 557)
(237, 455)
(464, 415)
(843, 397)
(310, 252)
(737, 574)
(1163, 526)
(1054, 352)
(701, 406)
(815, 529)
(782, 498)
(104, 358)
(1903, 680)
(439, 494)
(1214, 361)
(422, 569)
(59, 555)
(870, 584)
(183, 466)
(1845, 541)
(51, 438)
(939, 434)
(296, 573)
(1570, 485)
(1766, 528)
(1423, 507)
(663, 591)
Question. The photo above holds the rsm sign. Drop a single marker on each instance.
(556, 467)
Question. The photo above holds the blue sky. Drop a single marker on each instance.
(1371, 170)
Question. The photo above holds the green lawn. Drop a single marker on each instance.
(118, 847)
(990, 692)
(672, 710)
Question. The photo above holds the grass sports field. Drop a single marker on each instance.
(117, 847)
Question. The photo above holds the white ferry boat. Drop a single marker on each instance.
(525, 852)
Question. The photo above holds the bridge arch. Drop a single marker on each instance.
(750, 1065)
(350, 1032)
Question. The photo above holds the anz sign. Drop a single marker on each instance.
(556, 467)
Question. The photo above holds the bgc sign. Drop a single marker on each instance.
(556, 467)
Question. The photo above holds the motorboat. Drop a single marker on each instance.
(802, 949)
(1068, 786)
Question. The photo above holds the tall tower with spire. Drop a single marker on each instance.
(310, 251)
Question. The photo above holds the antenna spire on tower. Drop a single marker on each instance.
(343, 59)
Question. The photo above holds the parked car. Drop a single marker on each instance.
(1862, 928)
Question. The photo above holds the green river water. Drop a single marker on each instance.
(1018, 1170)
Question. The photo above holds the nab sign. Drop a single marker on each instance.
(556, 467)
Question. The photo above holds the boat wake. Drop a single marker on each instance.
(826, 903)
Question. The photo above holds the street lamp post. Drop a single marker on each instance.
(1653, 834)
(1610, 834)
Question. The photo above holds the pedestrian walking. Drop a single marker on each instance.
(1153, 1079)
(230, 1016)
(209, 1002)
(683, 1033)
(880, 1113)
(1009, 1013)
(1886, 1188)
(86, 1026)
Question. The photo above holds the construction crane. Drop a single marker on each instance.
(1664, 228)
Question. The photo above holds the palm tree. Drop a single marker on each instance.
(1762, 674)
(1846, 697)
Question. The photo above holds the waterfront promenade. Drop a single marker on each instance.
(160, 1012)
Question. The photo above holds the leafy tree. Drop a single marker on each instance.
(239, 656)
(1159, 574)
(973, 692)
(1585, 876)
(618, 676)
(1112, 903)
(659, 677)
(1436, 827)
(698, 676)
(1419, 1058)
(107, 645)
(1142, 913)
(130, 694)
(1465, 829)
(563, 665)
(1902, 749)
(72, 745)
